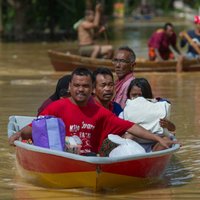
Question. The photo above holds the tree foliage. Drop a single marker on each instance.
(32, 19)
(53, 19)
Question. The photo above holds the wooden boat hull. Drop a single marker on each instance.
(68, 62)
(58, 169)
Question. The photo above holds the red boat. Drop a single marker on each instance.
(57, 169)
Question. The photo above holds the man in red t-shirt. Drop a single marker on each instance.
(160, 41)
(90, 122)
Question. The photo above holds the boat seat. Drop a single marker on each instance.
(16, 123)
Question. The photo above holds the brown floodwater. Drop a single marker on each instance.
(27, 78)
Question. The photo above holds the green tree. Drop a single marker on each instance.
(32, 19)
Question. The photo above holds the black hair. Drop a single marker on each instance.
(168, 24)
(127, 48)
(64, 92)
(102, 71)
(144, 85)
(63, 83)
(82, 71)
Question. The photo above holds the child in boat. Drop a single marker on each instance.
(143, 109)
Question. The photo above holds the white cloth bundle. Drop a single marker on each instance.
(147, 114)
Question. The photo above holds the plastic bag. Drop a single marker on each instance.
(49, 132)
(126, 147)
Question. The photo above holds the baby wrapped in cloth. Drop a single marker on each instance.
(147, 113)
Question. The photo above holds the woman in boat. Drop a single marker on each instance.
(60, 92)
(140, 87)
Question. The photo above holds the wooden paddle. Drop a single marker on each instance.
(191, 42)
(105, 36)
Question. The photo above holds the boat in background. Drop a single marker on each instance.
(68, 61)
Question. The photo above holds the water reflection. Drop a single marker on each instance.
(177, 174)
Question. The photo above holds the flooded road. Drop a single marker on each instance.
(27, 78)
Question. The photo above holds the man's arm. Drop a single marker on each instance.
(183, 41)
(176, 49)
(158, 56)
(139, 131)
(97, 16)
(24, 134)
